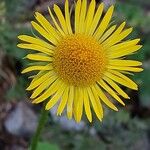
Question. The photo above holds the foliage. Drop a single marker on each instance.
(118, 131)
(47, 146)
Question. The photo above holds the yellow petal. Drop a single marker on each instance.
(104, 23)
(96, 19)
(46, 25)
(63, 101)
(118, 62)
(36, 41)
(38, 80)
(77, 15)
(60, 18)
(123, 45)
(121, 81)
(120, 37)
(89, 17)
(39, 57)
(125, 52)
(36, 48)
(87, 105)
(94, 104)
(44, 85)
(126, 72)
(76, 99)
(97, 100)
(33, 68)
(70, 102)
(31, 77)
(82, 16)
(55, 98)
(38, 75)
(132, 69)
(55, 22)
(45, 34)
(104, 98)
(116, 87)
(124, 77)
(50, 91)
(110, 91)
(107, 42)
(67, 16)
(80, 104)
(107, 33)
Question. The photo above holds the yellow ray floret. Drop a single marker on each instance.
(63, 101)
(70, 102)
(79, 60)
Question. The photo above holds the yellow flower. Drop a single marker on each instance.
(79, 61)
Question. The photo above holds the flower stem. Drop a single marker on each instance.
(42, 121)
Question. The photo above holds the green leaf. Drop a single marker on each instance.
(135, 15)
(144, 88)
(47, 146)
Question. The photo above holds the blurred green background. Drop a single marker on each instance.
(127, 129)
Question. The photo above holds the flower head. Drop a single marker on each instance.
(78, 62)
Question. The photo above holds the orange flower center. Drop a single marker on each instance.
(79, 60)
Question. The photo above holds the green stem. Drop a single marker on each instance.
(42, 121)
